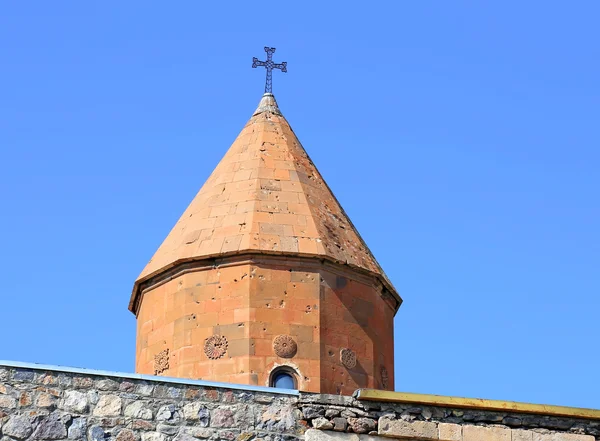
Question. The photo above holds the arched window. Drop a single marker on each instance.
(283, 377)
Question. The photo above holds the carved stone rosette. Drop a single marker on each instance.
(161, 362)
(285, 346)
(348, 358)
(215, 346)
(385, 379)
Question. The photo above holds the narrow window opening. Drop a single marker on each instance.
(283, 378)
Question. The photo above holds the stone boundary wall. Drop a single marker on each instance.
(40, 404)
(371, 419)
(43, 403)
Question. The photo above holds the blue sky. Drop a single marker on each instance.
(462, 138)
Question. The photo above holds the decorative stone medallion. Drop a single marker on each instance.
(215, 346)
(161, 362)
(385, 379)
(285, 346)
(348, 358)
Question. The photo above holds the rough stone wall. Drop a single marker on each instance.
(237, 321)
(338, 418)
(40, 404)
(49, 405)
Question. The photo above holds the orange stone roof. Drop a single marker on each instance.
(265, 196)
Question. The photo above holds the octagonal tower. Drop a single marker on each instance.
(265, 276)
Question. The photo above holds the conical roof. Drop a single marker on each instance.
(264, 196)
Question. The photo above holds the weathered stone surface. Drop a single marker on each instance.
(107, 385)
(245, 436)
(51, 427)
(18, 426)
(112, 422)
(96, 433)
(362, 425)
(23, 375)
(340, 424)
(450, 432)
(243, 416)
(228, 435)
(167, 413)
(144, 389)
(197, 412)
(7, 402)
(93, 396)
(263, 399)
(558, 436)
(184, 436)
(78, 428)
(521, 435)
(313, 412)
(75, 401)
(167, 429)
(126, 435)
(322, 424)
(108, 405)
(408, 429)
(139, 409)
(25, 399)
(44, 399)
(487, 433)
(279, 417)
(203, 417)
(142, 425)
(321, 435)
(330, 413)
(82, 382)
(153, 436)
(222, 417)
(198, 432)
(162, 391)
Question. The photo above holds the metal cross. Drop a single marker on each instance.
(270, 65)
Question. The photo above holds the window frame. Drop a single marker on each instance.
(283, 370)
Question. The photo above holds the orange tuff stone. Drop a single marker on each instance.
(264, 269)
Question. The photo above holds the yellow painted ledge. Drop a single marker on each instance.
(475, 403)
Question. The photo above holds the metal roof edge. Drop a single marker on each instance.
(476, 403)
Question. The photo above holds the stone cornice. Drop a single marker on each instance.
(276, 258)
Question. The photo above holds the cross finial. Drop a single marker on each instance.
(269, 65)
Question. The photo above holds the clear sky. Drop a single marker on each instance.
(462, 138)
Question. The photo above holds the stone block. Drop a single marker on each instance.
(77, 428)
(450, 432)
(321, 435)
(153, 436)
(422, 430)
(561, 436)
(108, 405)
(486, 433)
(52, 427)
(362, 425)
(522, 435)
(74, 401)
(18, 426)
(322, 424)
(7, 402)
(139, 409)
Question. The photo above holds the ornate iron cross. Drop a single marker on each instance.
(270, 65)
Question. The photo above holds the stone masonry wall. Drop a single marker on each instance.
(50, 405)
(347, 419)
(39, 404)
